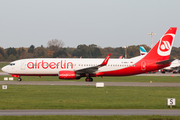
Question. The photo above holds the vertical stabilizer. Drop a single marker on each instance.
(162, 49)
(142, 50)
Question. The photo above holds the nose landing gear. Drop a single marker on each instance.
(19, 79)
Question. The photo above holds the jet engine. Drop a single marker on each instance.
(65, 74)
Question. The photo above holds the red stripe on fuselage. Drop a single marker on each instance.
(134, 69)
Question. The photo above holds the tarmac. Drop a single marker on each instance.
(92, 112)
(138, 84)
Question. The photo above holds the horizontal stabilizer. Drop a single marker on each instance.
(165, 62)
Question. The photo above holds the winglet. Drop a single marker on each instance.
(106, 60)
(121, 57)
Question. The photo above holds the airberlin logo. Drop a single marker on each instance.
(52, 65)
(143, 65)
(165, 45)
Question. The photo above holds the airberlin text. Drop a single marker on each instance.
(52, 65)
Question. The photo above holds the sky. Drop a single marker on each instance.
(106, 23)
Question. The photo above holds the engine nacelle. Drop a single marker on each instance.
(65, 74)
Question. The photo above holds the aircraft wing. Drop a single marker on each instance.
(165, 61)
(91, 70)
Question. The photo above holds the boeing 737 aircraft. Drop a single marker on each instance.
(75, 68)
(174, 67)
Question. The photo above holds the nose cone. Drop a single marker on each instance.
(5, 69)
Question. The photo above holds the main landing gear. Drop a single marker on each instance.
(88, 79)
(19, 79)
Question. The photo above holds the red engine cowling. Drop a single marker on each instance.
(65, 74)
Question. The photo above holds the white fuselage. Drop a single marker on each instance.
(51, 66)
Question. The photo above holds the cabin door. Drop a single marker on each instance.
(23, 66)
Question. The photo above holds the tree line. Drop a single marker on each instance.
(55, 49)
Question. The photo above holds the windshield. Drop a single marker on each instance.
(11, 64)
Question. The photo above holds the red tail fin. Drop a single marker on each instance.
(162, 49)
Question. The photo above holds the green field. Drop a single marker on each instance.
(2, 64)
(86, 97)
(73, 117)
(167, 79)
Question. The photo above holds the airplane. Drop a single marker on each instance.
(75, 68)
(174, 67)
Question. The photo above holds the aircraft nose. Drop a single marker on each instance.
(4, 69)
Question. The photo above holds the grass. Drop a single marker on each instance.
(163, 79)
(73, 117)
(86, 97)
(2, 64)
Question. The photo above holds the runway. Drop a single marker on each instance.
(138, 84)
(155, 74)
(92, 112)
(3, 74)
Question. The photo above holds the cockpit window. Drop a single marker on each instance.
(11, 64)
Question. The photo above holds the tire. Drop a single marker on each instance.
(91, 80)
(88, 79)
(19, 79)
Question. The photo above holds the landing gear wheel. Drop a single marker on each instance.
(91, 80)
(19, 79)
(88, 79)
